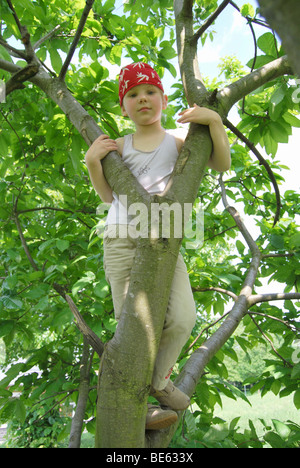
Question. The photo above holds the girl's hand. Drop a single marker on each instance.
(99, 149)
(199, 115)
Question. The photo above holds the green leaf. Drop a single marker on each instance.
(11, 374)
(297, 399)
(295, 241)
(216, 433)
(274, 440)
(62, 245)
(102, 289)
(271, 145)
(248, 10)
(260, 61)
(282, 429)
(277, 102)
(56, 60)
(267, 43)
(278, 132)
(6, 326)
(80, 284)
(62, 318)
(292, 120)
(11, 303)
(76, 155)
(240, 246)
(20, 411)
(277, 241)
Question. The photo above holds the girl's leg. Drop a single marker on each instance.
(179, 322)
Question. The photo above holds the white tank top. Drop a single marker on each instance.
(152, 169)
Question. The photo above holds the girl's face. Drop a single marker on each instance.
(143, 104)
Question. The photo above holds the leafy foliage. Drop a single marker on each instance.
(47, 209)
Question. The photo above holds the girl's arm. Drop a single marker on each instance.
(220, 159)
(98, 150)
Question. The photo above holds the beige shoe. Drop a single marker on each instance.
(172, 397)
(159, 419)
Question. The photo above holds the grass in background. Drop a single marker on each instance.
(267, 408)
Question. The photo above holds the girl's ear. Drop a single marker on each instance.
(165, 101)
(124, 113)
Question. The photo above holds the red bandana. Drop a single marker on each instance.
(136, 74)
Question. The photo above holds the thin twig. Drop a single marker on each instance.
(292, 327)
(24, 244)
(46, 37)
(88, 333)
(204, 330)
(25, 36)
(262, 161)
(220, 290)
(86, 11)
(20, 27)
(210, 20)
(271, 343)
(239, 222)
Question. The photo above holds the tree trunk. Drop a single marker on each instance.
(283, 16)
(128, 361)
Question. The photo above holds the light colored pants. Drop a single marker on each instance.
(180, 318)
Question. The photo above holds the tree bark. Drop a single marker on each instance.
(283, 16)
(124, 382)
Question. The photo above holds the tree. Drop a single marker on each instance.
(281, 16)
(50, 257)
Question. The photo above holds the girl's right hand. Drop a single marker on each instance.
(99, 149)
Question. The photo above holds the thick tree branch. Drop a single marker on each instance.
(85, 14)
(9, 66)
(232, 93)
(257, 298)
(17, 80)
(13, 52)
(187, 52)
